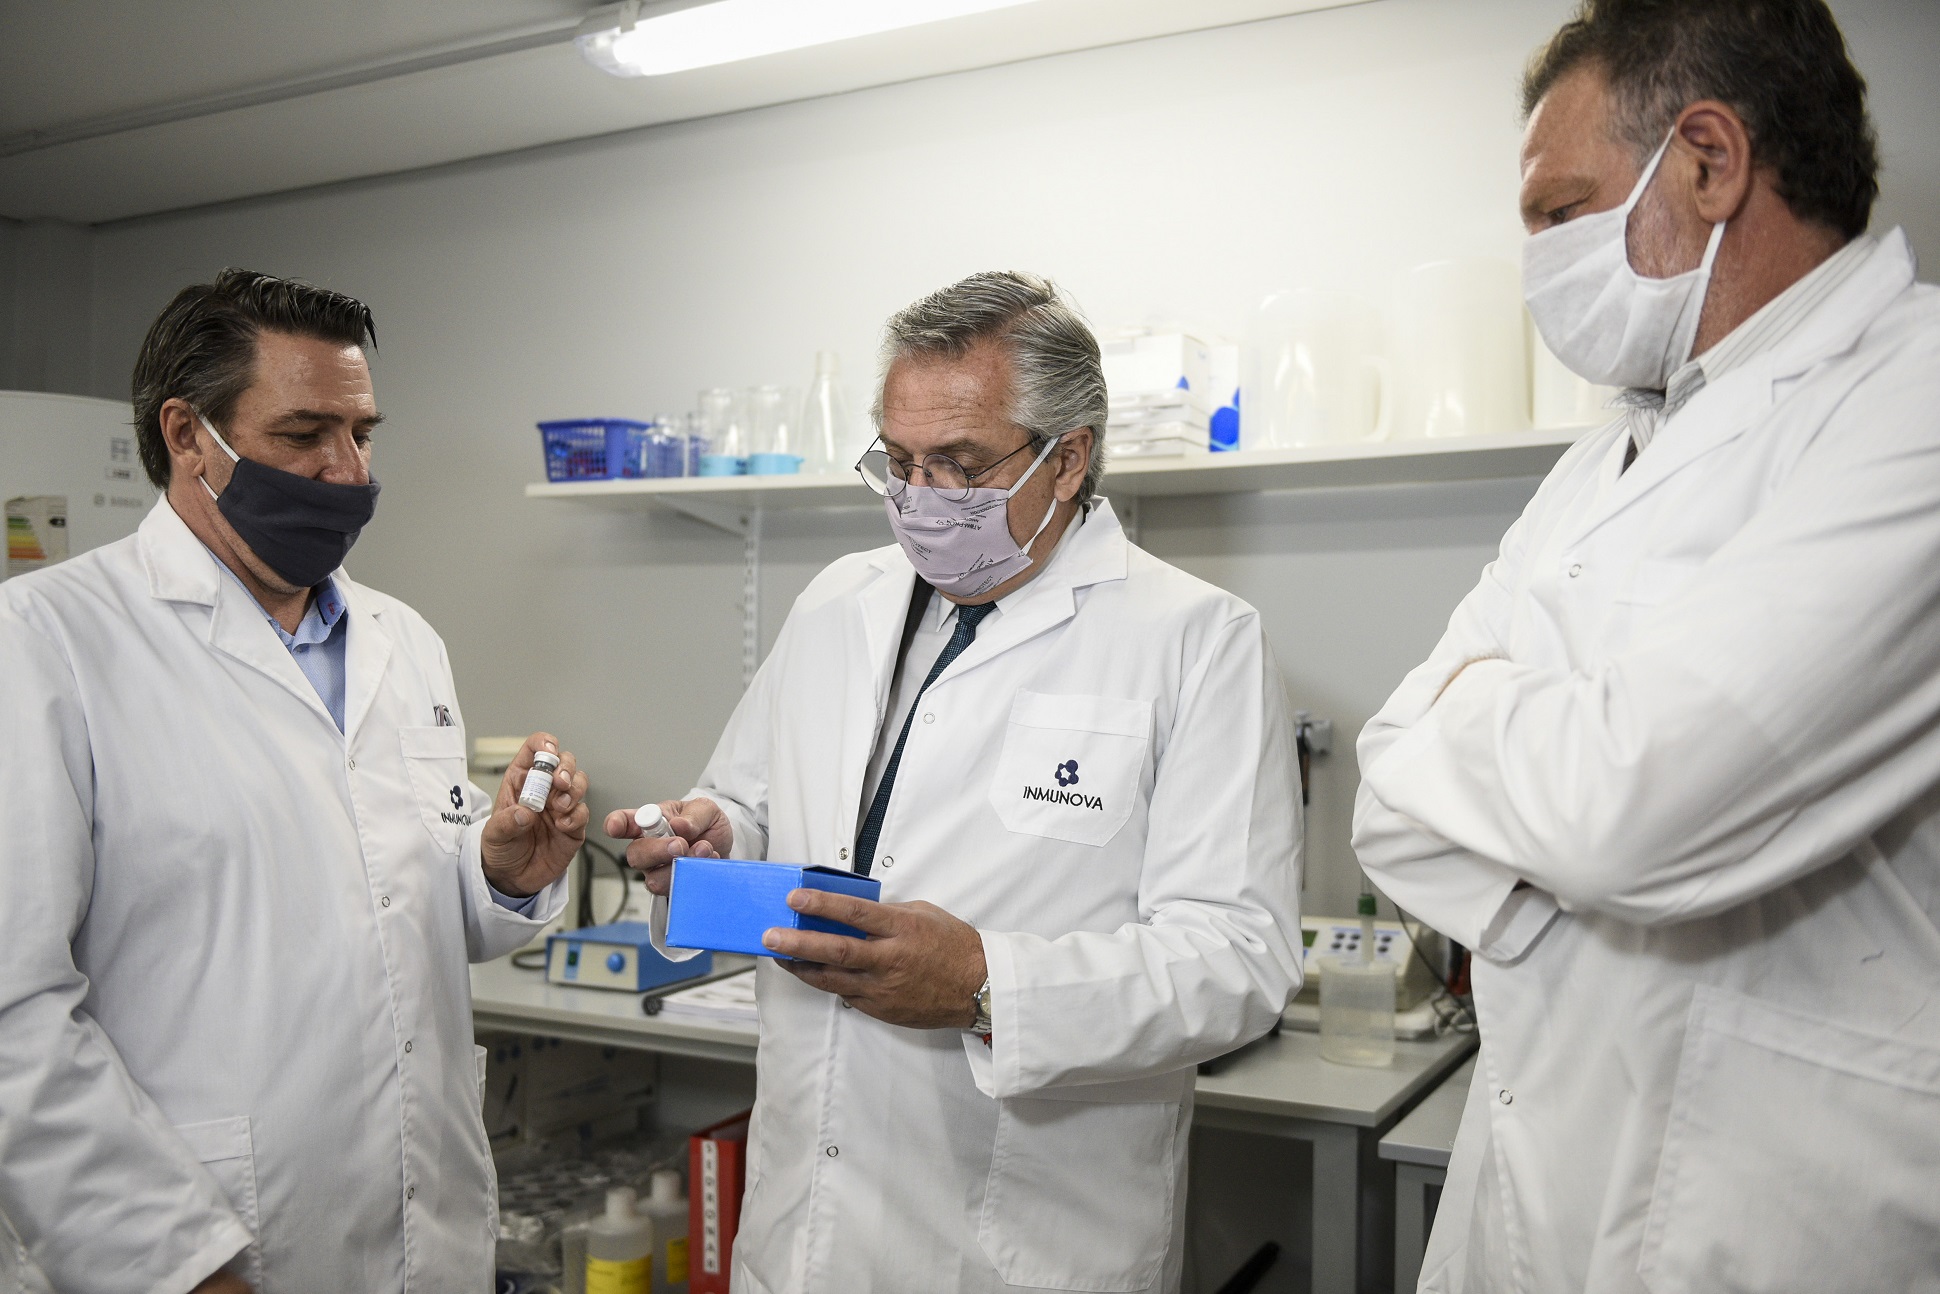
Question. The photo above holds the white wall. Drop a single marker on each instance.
(1183, 177)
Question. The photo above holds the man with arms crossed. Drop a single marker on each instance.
(1070, 766)
(243, 870)
(1674, 771)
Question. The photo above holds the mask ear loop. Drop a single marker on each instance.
(1049, 512)
(234, 457)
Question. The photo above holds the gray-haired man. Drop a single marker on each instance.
(1070, 766)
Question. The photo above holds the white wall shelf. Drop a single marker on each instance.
(1397, 462)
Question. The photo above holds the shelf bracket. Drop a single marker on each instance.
(721, 516)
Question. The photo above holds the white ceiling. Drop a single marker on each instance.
(119, 108)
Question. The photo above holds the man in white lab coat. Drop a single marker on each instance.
(243, 870)
(1070, 766)
(1673, 773)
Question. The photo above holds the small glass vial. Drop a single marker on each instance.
(538, 782)
(652, 821)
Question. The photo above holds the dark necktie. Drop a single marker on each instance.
(966, 633)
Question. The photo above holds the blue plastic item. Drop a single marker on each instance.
(774, 464)
(620, 956)
(594, 449)
(727, 904)
(1224, 434)
(723, 465)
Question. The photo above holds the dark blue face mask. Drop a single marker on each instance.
(301, 528)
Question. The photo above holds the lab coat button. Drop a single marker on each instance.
(1506, 1096)
(843, 854)
(386, 900)
(834, 1151)
(407, 1047)
(351, 764)
(1576, 570)
(929, 718)
(888, 863)
(410, 1192)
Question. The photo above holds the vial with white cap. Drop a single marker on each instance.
(652, 821)
(538, 782)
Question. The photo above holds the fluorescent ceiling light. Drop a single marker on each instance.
(621, 41)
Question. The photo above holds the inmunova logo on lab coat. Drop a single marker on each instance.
(1067, 775)
(457, 802)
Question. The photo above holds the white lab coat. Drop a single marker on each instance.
(234, 1002)
(1127, 939)
(1713, 742)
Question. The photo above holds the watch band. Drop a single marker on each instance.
(982, 1000)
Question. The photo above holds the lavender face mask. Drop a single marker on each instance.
(963, 547)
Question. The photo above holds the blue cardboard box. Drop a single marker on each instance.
(727, 904)
(620, 955)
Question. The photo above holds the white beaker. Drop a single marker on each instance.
(1357, 1011)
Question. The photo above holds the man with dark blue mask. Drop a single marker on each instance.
(243, 868)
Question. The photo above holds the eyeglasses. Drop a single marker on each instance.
(949, 478)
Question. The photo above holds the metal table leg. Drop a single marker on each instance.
(1337, 1207)
(1412, 1182)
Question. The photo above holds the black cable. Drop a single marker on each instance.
(626, 880)
(1462, 1018)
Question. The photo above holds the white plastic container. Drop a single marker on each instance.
(619, 1248)
(667, 1208)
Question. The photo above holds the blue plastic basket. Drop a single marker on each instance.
(594, 449)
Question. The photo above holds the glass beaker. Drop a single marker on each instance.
(824, 429)
(1357, 1011)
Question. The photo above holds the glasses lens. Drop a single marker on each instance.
(879, 473)
(946, 476)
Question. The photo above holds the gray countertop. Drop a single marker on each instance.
(1280, 1077)
(1427, 1135)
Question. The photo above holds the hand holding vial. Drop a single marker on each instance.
(671, 829)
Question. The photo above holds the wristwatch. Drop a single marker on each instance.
(982, 1023)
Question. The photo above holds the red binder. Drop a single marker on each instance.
(717, 1159)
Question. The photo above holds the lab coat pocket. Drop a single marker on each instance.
(1080, 1189)
(1798, 1156)
(224, 1147)
(1072, 766)
(434, 760)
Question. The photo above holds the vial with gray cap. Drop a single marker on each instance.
(538, 782)
(652, 821)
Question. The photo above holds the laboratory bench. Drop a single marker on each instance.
(1277, 1087)
(1419, 1147)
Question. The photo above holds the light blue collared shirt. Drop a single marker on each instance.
(319, 643)
(319, 647)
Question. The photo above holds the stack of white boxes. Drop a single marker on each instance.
(1171, 393)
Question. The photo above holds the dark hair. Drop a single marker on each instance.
(202, 347)
(1780, 64)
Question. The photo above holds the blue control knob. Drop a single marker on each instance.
(616, 962)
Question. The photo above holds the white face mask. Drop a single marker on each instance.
(1599, 316)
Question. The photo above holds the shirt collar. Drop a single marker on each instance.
(320, 618)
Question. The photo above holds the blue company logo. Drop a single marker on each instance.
(1067, 775)
(457, 797)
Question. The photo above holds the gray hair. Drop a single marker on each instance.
(1057, 378)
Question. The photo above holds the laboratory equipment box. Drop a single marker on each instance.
(619, 956)
(727, 904)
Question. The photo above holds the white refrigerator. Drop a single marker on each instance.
(70, 478)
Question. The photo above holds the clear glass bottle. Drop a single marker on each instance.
(825, 418)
